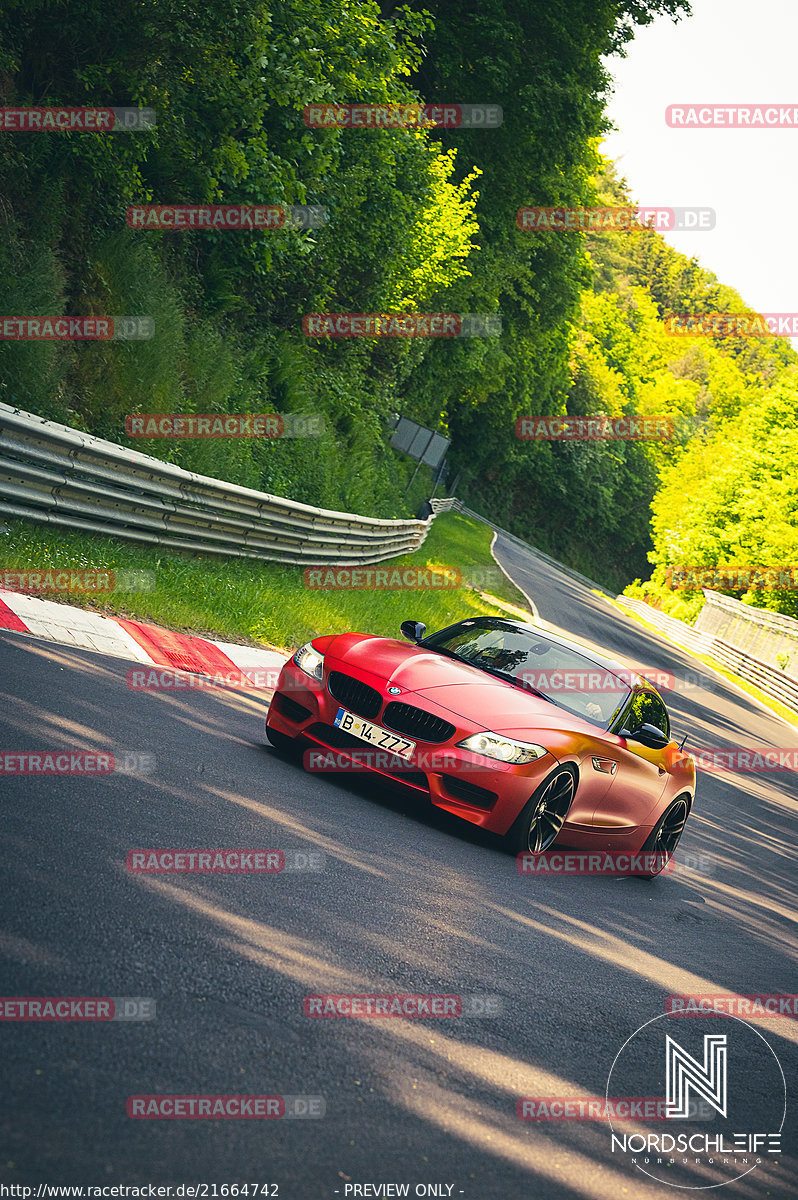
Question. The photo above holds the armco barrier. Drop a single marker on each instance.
(54, 474)
(522, 545)
(677, 630)
(450, 504)
(767, 635)
(770, 680)
(58, 475)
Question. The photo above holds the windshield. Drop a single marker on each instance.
(532, 661)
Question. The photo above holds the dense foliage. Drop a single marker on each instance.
(723, 490)
(419, 220)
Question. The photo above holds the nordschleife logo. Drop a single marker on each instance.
(683, 1075)
(717, 1128)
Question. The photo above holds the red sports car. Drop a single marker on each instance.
(524, 733)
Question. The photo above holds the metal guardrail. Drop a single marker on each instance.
(770, 680)
(450, 504)
(773, 682)
(522, 545)
(678, 630)
(54, 474)
(766, 635)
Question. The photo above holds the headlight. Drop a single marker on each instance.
(493, 745)
(309, 661)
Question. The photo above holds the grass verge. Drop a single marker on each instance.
(263, 603)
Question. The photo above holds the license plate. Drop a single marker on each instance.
(375, 735)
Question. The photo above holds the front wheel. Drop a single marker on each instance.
(542, 819)
(665, 836)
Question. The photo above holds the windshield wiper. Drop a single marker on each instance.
(521, 683)
(468, 662)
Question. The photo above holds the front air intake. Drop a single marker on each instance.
(416, 723)
(359, 697)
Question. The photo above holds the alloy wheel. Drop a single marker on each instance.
(550, 811)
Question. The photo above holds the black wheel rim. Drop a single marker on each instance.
(670, 831)
(550, 811)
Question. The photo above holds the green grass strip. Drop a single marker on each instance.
(263, 603)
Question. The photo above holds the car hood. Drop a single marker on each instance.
(465, 691)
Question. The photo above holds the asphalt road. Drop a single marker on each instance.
(406, 901)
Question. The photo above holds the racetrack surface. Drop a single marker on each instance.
(407, 901)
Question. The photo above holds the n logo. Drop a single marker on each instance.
(683, 1072)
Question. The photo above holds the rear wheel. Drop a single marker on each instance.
(666, 835)
(542, 819)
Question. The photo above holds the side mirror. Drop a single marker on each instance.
(413, 630)
(648, 735)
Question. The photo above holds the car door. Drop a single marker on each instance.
(640, 773)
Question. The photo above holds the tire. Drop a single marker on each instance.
(542, 817)
(666, 834)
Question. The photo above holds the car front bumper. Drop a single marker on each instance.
(481, 790)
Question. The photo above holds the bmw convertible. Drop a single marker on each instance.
(529, 735)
